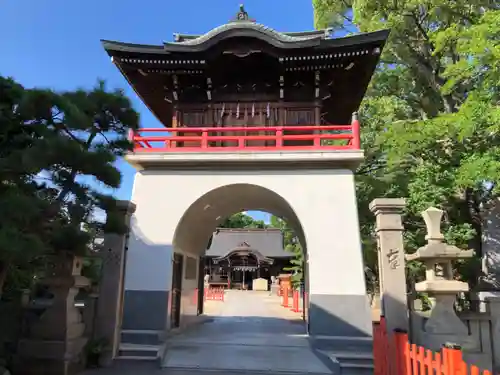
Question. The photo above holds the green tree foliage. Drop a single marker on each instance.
(57, 153)
(430, 119)
(242, 220)
(292, 245)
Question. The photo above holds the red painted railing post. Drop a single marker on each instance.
(401, 353)
(453, 360)
(204, 138)
(356, 137)
(279, 137)
(317, 138)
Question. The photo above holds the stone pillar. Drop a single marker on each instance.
(489, 283)
(391, 261)
(493, 307)
(109, 304)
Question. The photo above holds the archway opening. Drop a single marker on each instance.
(209, 211)
(233, 257)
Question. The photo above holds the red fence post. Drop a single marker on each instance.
(195, 296)
(453, 360)
(356, 138)
(401, 353)
(285, 297)
(295, 301)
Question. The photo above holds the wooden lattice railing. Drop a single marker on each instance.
(395, 355)
(262, 138)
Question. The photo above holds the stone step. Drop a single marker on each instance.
(141, 337)
(136, 358)
(203, 371)
(350, 362)
(342, 344)
(357, 370)
(137, 352)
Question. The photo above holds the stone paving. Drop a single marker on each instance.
(249, 333)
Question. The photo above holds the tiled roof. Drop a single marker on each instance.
(269, 242)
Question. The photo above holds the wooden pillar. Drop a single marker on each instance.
(175, 119)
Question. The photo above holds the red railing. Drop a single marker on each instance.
(335, 137)
(397, 356)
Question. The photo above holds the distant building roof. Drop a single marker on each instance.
(269, 242)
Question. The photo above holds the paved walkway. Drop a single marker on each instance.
(248, 333)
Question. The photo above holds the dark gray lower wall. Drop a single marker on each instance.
(339, 315)
(145, 310)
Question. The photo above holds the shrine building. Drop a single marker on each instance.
(236, 257)
(253, 119)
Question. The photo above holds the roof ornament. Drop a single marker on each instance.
(242, 16)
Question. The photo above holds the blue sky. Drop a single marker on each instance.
(56, 43)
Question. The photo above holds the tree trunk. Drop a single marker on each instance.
(3, 275)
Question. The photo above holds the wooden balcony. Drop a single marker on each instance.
(247, 139)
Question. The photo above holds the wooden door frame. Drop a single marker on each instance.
(177, 276)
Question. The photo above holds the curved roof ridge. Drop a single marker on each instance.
(248, 230)
(248, 25)
(181, 37)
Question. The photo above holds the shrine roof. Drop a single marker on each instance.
(178, 72)
(243, 26)
(268, 242)
(200, 43)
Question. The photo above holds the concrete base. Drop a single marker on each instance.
(48, 367)
(339, 315)
(145, 310)
(41, 357)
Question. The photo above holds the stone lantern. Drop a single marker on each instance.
(443, 324)
(56, 340)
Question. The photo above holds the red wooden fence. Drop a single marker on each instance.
(285, 299)
(214, 294)
(395, 355)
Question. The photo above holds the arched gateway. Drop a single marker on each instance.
(247, 113)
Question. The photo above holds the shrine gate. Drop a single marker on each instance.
(249, 118)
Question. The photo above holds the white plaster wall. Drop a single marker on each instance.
(149, 261)
(323, 200)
